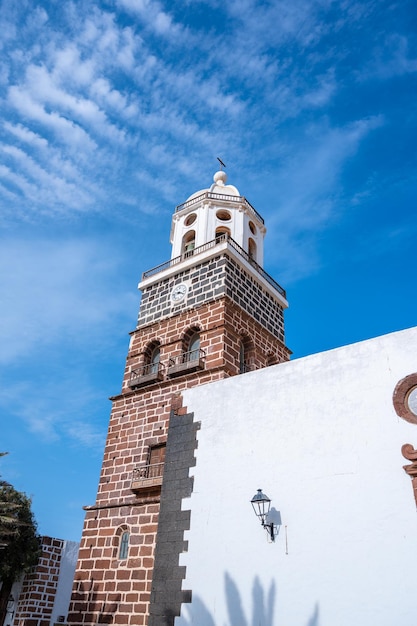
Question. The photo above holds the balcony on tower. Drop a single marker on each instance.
(146, 374)
(147, 476)
(186, 362)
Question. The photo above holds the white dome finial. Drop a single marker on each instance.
(220, 177)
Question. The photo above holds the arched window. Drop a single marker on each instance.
(244, 351)
(191, 345)
(124, 545)
(242, 358)
(194, 347)
(252, 249)
(188, 243)
(152, 358)
(222, 233)
(154, 362)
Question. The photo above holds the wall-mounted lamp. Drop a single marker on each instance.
(10, 605)
(261, 505)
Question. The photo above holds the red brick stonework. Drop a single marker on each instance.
(113, 590)
(222, 324)
(36, 600)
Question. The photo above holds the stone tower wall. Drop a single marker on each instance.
(222, 323)
(208, 281)
(107, 589)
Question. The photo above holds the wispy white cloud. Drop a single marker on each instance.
(59, 286)
(311, 190)
(26, 135)
(47, 408)
(393, 58)
(55, 302)
(128, 86)
(153, 16)
(64, 129)
(37, 176)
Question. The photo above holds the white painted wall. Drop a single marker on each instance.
(320, 436)
(15, 593)
(66, 576)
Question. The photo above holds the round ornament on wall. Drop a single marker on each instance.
(405, 398)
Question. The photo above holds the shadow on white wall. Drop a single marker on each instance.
(263, 605)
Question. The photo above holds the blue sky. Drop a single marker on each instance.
(113, 112)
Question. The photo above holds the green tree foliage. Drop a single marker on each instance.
(19, 540)
(18, 536)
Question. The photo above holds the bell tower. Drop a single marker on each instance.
(208, 313)
(219, 210)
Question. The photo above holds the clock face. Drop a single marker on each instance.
(179, 292)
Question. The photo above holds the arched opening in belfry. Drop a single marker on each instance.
(188, 243)
(252, 249)
(222, 234)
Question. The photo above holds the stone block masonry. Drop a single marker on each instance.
(252, 298)
(205, 282)
(108, 589)
(167, 594)
(208, 281)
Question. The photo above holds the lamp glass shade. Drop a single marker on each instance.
(261, 504)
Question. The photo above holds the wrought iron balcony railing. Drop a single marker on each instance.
(186, 362)
(147, 476)
(146, 374)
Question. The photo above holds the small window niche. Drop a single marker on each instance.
(245, 355)
(124, 545)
